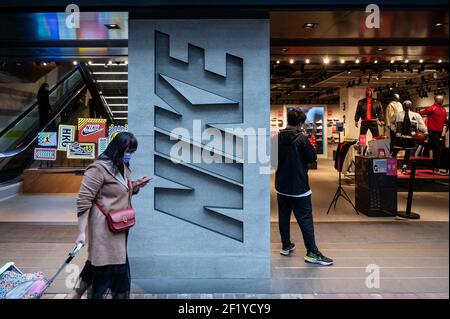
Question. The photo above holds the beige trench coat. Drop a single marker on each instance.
(111, 192)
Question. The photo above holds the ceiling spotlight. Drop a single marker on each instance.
(380, 49)
(75, 62)
(291, 61)
(349, 72)
(111, 26)
(310, 25)
(392, 61)
(342, 61)
(440, 61)
(278, 61)
(303, 86)
(90, 62)
(406, 61)
(376, 61)
(439, 24)
(326, 60)
(285, 50)
(421, 61)
(307, 61)
(44, 63)
(357, 61)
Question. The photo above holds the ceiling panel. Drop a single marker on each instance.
(351, 24)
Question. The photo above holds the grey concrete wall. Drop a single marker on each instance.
(199, 220)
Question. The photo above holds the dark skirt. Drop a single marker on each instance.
(98, 280)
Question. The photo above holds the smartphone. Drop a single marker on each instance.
(146, 180)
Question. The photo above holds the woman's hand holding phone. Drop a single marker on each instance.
(143, 181)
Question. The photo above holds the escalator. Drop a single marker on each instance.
(18, 139)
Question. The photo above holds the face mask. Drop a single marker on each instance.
(126, 158)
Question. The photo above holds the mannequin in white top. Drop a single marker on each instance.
(405, 124)
(392, 109)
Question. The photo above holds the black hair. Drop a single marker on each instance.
(42, 91)
(124, 141)
(296, 117)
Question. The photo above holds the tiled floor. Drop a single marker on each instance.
(272, 296)
(412, 256)
(413, 261)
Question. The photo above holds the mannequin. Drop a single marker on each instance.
(392, 109)
(436, 119)
(405, 124)
(370, 112)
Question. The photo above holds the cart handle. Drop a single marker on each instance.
(76, 249)
(68, 260)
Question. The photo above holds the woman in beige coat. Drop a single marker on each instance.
(106, 183)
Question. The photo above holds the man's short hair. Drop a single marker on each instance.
(296, 117)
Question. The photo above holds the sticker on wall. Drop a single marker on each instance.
(66, 134)
(362, 140)
(102, 145)
(81, 150)
(45, 154)
(47, 138)
(391, 167)
(90, 130)
(379, 166)
(116, 129)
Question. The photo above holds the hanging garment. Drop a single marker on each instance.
(341, 153)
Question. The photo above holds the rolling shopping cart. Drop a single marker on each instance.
(25, 286)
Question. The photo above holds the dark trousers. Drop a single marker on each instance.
(369, 125)
(435, 144)
(392, 144)
(303, 213)
(406, 144)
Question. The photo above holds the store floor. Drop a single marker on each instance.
(38, 231)
(412, 258)
(432, 206)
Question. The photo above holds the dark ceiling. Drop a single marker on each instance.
(339, 35)
(410, 46)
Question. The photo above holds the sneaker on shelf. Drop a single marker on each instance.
(286, 251)
(319, 127)
(318, 258)
(443, 172)
(319, 122)
(436, 172)
(404, 170)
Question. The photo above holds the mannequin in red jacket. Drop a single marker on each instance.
(370, 112)
(436, 119)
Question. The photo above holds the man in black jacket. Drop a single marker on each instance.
(295, 152)
(369, 110)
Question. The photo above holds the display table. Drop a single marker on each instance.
(375, 190)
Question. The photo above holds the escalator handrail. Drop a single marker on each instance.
(33, 106)
(53, 118)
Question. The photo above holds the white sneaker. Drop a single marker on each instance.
(443, 172)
